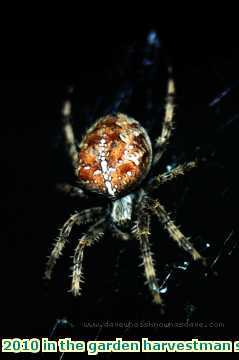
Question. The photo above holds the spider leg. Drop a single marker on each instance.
(163, 139)
(141, 232)
(171, 175)
(68, 131)
(174, 231)
(85, 216)
(95, 232)
(71, 190)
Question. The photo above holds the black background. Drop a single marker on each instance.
(206, 201)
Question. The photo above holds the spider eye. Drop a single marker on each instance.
(115, 155)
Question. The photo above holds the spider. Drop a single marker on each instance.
(114, 160)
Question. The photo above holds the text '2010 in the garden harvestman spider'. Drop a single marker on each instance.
(113, 158)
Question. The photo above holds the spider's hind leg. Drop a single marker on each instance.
(95, 232)
(85, 216)
(68, 131)
(163, 139)
(171, 175)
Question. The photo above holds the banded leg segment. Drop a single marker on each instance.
(171, 175)
(141, 232)
(94, 234)
(174, 231)
(163, 139)
(85, 216)
(68, 130)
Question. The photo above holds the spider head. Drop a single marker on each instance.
(115, 156)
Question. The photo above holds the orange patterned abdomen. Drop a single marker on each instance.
(115, 155)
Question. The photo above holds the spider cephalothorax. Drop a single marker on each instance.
(113, 158)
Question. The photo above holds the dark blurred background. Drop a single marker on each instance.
(204, 203)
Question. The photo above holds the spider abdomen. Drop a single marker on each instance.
(115, 155)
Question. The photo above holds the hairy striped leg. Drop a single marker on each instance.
(141, 232)
(68, 130)
(163, 139)
(94, 233)
(174, 231)
(171, 175)
(85, 216)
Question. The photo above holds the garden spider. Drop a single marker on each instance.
(113, 159)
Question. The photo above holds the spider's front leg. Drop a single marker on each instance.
(173, 230)
(85, 216)
(163, 139)
(141, 232)
(95, 232)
